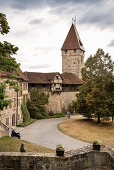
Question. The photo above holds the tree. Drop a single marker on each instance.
(36, 104)
(111, 92)
(7, 64)
(95, 98)
(25, 112)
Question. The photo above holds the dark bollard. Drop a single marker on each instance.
(22, 149)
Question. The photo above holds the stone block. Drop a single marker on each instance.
(100, 159)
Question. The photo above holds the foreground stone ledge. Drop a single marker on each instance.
(81, 159)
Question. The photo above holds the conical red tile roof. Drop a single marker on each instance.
(72, 40)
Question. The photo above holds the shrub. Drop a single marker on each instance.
(39, 116)
(51, 113)
(46, 116)
(57, 115)
(36, 104)
(96, 143)
(28, 122)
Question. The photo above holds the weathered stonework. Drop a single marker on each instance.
(58, 102)
(11, 111)
(4, 130)
(72, 62)
(83, 159)
(12, 115)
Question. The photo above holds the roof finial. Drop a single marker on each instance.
(75, 21)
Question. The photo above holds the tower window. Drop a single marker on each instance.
(81, 59)
(74, 50)
(65, 51)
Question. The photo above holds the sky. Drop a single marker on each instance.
(39, 28)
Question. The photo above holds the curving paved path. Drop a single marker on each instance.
(45, 132)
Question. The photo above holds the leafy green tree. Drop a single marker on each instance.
(95, 98)
(3, 102)
(7, 64)
(36, 104)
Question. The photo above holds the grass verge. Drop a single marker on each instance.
(30, 121)
(89, 130)
(24, 124)
(57, 115)
(9, 144)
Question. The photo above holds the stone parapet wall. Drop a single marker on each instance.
(83, 159)
(58, 102)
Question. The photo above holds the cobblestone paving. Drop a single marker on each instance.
(45, 132)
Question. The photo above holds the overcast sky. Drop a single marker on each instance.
(39, 28)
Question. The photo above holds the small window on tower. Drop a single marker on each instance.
(65, 51)
(74, 50)
(81, 59)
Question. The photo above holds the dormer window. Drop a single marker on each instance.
(65, 51)
(74, 50)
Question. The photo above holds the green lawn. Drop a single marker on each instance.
(28, 122)
(9, 144)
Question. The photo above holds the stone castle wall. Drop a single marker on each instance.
(12, 115)
(7, 113)
(73, 62)
(83, 159)
(58, 102)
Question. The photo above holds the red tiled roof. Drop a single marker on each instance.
(70, 78)
(21, 76)
(72, 40)
(44, 78)
(40, 78)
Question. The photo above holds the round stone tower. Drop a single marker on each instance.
(72, 53)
